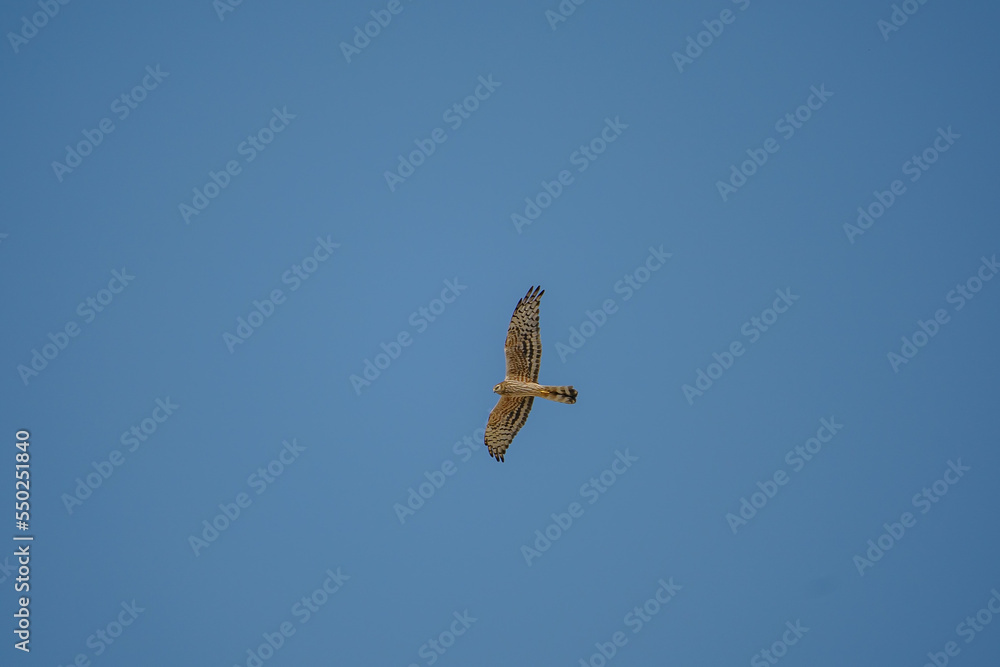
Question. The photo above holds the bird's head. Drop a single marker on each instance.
(496, 389)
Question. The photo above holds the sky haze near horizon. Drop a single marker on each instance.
(258, 274)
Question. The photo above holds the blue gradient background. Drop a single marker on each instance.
(323, 176)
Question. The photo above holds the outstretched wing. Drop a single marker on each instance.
(506, 419)
(524, 338)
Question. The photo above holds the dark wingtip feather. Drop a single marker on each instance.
(533, 295)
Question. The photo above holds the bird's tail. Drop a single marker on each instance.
(559, 394)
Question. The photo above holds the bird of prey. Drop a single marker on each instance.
(524, 355)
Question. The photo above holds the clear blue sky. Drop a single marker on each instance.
(201, 246)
